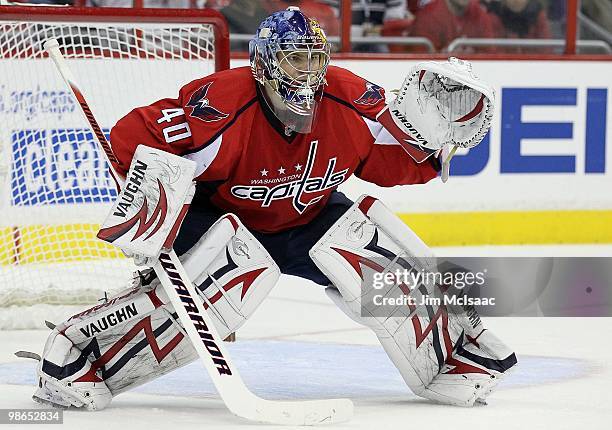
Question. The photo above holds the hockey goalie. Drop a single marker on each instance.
(252, 158)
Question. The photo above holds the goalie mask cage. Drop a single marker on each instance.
(55, 189)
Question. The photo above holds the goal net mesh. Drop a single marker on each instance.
(54, 185)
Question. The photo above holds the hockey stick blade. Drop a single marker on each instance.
(198, 324)
(28, 354)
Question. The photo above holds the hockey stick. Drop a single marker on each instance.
(198, 324)
(445, 173)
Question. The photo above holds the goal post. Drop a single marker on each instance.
(55, 189)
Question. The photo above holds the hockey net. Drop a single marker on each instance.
(54, 185)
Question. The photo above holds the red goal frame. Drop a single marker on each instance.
(82, 14)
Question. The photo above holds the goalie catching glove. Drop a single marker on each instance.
(439, 108)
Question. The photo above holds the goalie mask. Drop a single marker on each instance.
(289, 56)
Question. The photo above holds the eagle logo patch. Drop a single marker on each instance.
(372, 95)
(202, 109)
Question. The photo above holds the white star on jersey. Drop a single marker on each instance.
(281, 170)
(264, 172)
(298, 167)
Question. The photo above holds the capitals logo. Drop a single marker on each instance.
(298, 189)
(372, 95)
(202, 108)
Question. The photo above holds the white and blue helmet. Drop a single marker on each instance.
(289, 57)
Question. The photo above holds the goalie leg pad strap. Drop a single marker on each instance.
(135, 336)
(442, 355)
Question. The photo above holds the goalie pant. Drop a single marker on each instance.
(136, 336)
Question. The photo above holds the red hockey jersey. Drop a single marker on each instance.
(271, 181)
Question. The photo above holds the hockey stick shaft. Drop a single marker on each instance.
(445, 174)
(52, 48)
(199, 326)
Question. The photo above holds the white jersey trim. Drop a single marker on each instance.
(205, 156)
(379, 133)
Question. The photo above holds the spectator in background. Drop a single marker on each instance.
(371, 17)
(557, 14)
(323, 13)
(599, 11)
(413, 6)
(159, 4)
(243, 17)
(525, 19)
(596, 22)
(442, 21)
(213, 4)
(43, 2)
